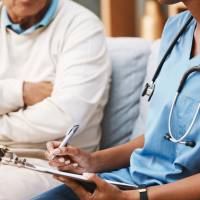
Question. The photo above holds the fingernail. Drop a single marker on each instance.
(67, 162)
(51, 156)
(88, 175)
(56, 152)
(62, 160)
(75, 165)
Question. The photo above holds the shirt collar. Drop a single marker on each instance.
(48, 17)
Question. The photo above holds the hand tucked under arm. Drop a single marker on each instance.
(35, 92)
(82, 76)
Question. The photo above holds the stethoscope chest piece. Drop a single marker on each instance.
(149, 90)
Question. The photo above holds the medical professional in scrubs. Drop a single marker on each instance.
(168, 170)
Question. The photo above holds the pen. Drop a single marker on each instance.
(68, 135)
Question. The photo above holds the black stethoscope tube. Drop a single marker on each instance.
(150, 87)
(169, 50)
(185, 77)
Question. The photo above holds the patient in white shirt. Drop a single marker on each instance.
(54, 73)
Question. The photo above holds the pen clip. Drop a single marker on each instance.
(73, 129)
(68, 135)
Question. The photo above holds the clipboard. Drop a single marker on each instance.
(7, 157)
(80, 178)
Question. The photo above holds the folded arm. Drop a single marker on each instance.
(16, 94)
(82, 75)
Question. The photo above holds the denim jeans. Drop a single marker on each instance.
(59, 193)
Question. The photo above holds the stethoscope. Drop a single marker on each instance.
(149, 90)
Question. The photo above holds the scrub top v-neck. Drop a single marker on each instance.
(161, 161)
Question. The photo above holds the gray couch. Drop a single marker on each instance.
(134, 61)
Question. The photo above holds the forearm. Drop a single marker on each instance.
(30, 125)
(187, 189)
(116, 157)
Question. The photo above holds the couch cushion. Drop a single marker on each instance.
(144, 104)
(129, 58)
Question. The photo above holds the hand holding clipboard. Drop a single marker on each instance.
(80, 162)
(67, 158)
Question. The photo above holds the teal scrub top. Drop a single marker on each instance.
(161, 161)
(48, 17)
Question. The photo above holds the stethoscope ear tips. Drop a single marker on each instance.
(190, 144)
(167, 136)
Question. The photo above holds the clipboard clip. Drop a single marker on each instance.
(7, 157)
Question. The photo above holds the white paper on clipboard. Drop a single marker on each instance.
(76, 176)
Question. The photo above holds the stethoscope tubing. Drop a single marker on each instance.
(173, 139)
(169, 50)
(180, 88)
(149, 90)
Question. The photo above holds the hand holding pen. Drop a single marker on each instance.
(65, 142)
(69, 158)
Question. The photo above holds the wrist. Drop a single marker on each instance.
(131, 195)
(25, 91)
(143, 193)
(94, 160)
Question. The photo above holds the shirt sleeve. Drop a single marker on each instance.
(11, 95)
(82, 76)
